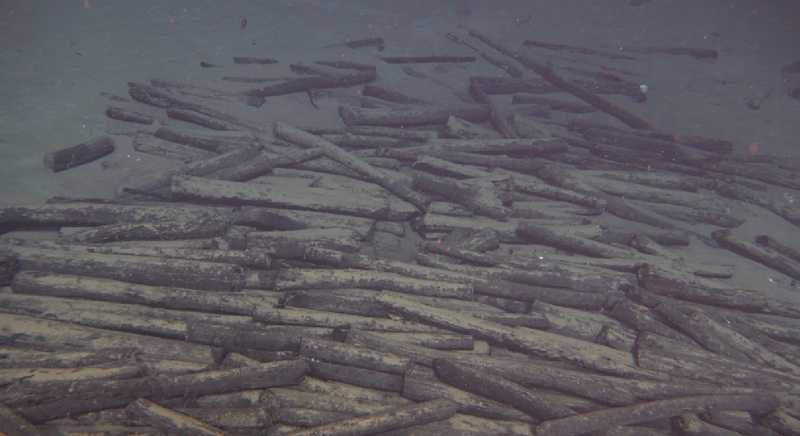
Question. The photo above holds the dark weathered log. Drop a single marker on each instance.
(379, 177)
(740, 422)
(312, 199)
(171, 421)
(28, 331)
(484, 200)
(563, 239)
(287, 280)
(426, 59)
(200, 119)
(499, 389)
(781, 422)
(685, 286)
(512, 70)
(689, 424)
(392, 419)
(161, 179)
(218, 142)
(206, 276)
(536, 342)
(345, 354)
(366, 378)
(294, 244)
(253, 60)
(602, 419)
(375, 41)
(763, 255)
(15, 425)
(678, 359)
(69, 286)
(719, 339)
(423, 116)
(420, 384)
(128, 116)
(79, 154)
(697, 53)
(90, 214)
(316, 318)
(771, 242)
(562, 83)
(25, 358)
(303, 84)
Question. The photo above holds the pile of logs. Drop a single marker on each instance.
(414, 272)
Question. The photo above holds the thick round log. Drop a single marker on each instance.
(206, 276)
(422, 116)
(171, 421)
(499, 389)
(392, 419)
(79, 154)
(602, 419)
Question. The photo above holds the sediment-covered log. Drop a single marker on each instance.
(79, 154)
(577, 424)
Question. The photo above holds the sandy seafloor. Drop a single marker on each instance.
(58, 57)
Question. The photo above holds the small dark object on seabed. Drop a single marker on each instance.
(427, 59)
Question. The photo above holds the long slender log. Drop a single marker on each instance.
(206, 276)
(36, 332)
(61, 285)
(536, 342)
(592, 421)
(335, 153)
(763, 255)
(171, 421)
(345, 354)
(392, 419)
(421, 384)
(549, 75)
(499, 389)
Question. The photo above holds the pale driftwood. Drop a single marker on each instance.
(536, 342)
(69, 286)
(162, 178)
(171, 421)
(575, 425)
(392, 419)
(289, 197)
(763, 255)
(345, 354)
(206, 276)
(379, 177)
(499, 389)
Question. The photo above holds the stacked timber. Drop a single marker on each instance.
(414, 272)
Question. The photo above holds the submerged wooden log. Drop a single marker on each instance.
(424, 116)
(391, 419)
(171, 421)
(602, 419)
(79, 154)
